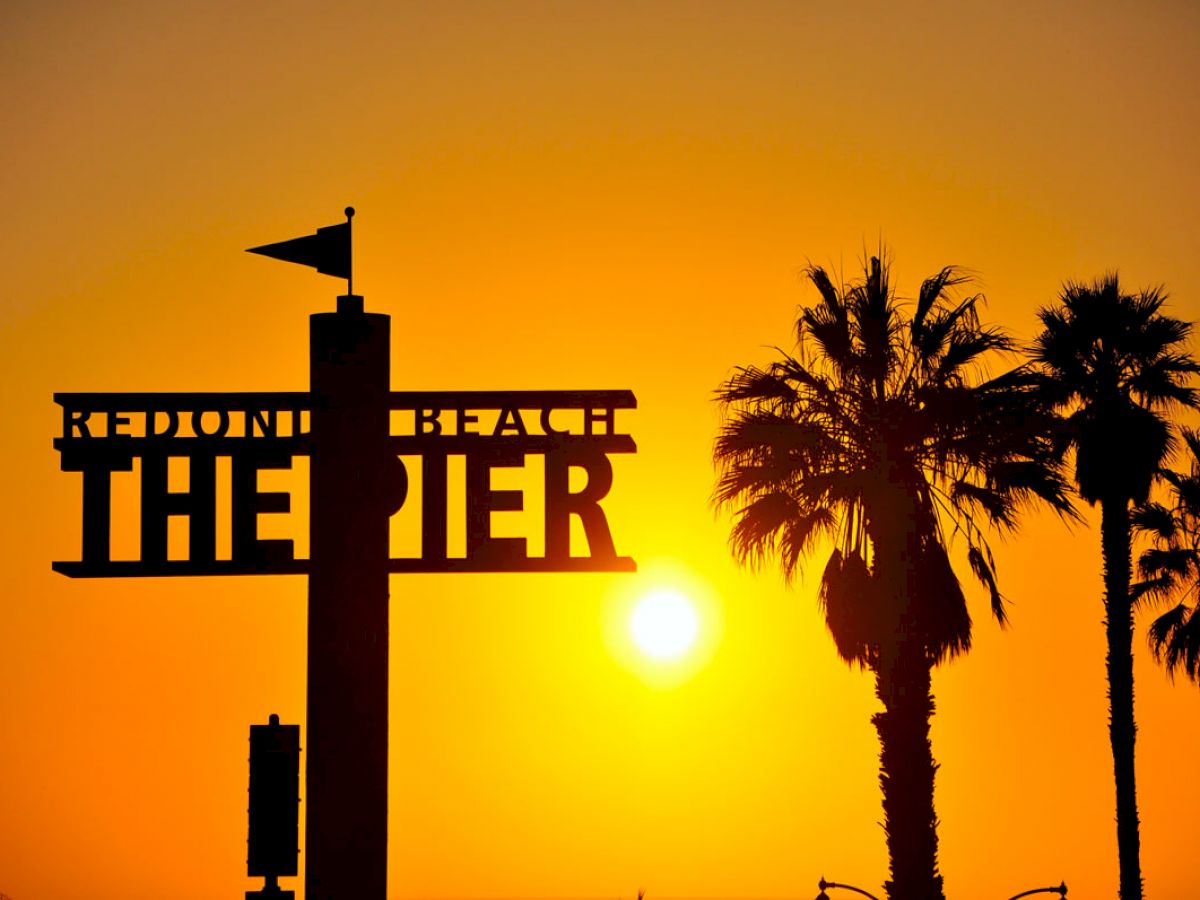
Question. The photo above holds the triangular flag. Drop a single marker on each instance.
(327, 251)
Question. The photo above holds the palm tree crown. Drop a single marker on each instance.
(1117, 365)
(884, 430)
(883, 433)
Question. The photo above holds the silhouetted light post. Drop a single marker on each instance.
(823, 884)
(359, 436)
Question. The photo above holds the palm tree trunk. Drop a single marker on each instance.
(1115, 546)
(906, 772)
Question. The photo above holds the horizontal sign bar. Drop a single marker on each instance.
(512, 399)
(136, 568)
(241, 401)
(284, 400)
(528, 564)
(220, 445)
(139, 569)
(401, 445)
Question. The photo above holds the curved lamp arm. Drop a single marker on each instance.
(822, 884)
(1061, 890)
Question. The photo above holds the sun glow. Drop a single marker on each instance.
(664, 624)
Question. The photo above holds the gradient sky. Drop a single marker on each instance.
(565, 195)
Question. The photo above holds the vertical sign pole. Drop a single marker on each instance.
(346, 774)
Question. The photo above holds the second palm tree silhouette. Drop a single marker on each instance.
(1116, 365)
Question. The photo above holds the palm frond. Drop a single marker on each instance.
(984, 572)
(755, 531)
(1154, 519)
(1175, 562)
(1175, 640)
(933, 290)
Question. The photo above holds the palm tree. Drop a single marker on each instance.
(1171, 570)
(883, 434)
(1116, 365)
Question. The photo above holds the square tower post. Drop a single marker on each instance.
(347, 743)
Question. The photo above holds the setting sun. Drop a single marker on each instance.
(664, 624)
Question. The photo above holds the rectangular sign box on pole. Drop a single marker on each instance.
(273, 846)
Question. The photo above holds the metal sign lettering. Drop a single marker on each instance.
(104, 433)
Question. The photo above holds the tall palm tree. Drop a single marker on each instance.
(1116, 365)
(1171, 569)
(883, 433)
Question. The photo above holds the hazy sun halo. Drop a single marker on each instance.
(664, 624)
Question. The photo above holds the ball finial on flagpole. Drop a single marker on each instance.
(349, 212)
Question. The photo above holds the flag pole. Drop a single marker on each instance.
(350, 259)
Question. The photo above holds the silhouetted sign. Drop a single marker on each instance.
(274, 842)
(490, 430)
(361, 440)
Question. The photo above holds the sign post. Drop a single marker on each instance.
(354, 491)
(357, 482)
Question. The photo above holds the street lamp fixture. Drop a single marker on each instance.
(823, 884)
(1061, 890)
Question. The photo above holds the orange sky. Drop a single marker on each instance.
(564, 195)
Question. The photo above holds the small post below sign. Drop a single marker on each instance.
(273, 846)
